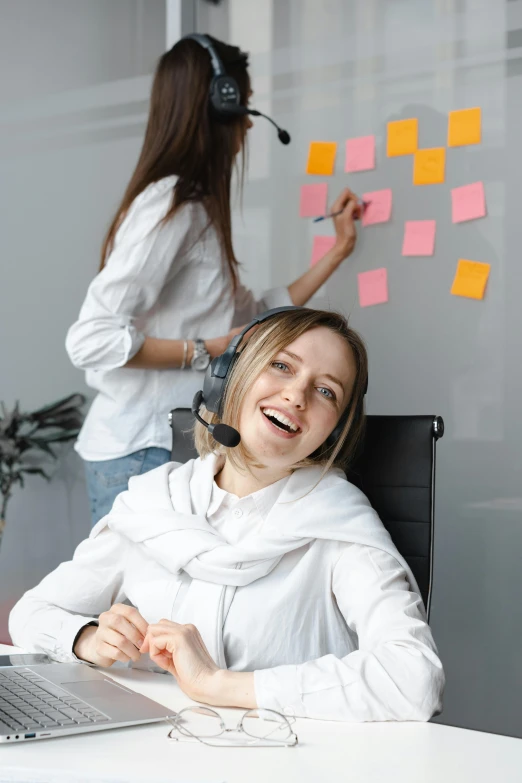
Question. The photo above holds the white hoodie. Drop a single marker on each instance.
(299, 583)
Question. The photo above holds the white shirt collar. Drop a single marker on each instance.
(263, 499)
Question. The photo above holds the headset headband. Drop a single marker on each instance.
(206, 43)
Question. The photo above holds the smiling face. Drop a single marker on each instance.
(296, 402)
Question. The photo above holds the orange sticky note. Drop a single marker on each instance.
(402, 137)
(321, 247)
(373, 287)
(321, 157)
(429, 166)
(470, 279)
(464, 127)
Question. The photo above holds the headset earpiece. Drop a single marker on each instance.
(225, 95)
(215, 380)
(225, 98)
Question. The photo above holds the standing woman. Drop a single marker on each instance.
(167, 297)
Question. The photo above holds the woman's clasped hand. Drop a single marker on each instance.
(124, 635)
(180, 650)
(118, 637)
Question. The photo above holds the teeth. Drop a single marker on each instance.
(280, 417)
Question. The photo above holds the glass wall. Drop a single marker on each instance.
(334, 70)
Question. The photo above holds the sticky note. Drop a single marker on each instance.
(419, 238)
(320, 248)
(402, 137)
(468, 202)
(379, 207)
(464, 127)
(321, 157)
(373, 287)
(470, 279)
(428, 166)
(360, 154)
(313, 200)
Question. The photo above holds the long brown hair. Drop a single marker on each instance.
(271, 337)
(183, 138)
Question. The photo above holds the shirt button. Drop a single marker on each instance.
(237, 513)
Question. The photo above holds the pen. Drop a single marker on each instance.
(363, 204)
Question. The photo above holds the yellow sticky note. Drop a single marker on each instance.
(402, 137)
(470, 279)
(429, 166)
(464, 127)
(321, 157)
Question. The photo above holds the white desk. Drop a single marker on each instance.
(327, 751)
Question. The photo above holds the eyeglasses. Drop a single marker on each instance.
(257, 728)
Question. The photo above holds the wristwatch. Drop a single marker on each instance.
(201, 357)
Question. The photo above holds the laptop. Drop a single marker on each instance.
(56, 699)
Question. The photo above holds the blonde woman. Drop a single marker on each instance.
(258, 576)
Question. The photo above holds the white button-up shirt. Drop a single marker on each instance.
(164, 280)
(334, 631)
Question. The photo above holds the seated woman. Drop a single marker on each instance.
(279, 584)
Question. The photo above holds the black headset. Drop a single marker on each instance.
(225, 97)
(212, 396)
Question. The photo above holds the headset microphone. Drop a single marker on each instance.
(224, 434)
(284, 136)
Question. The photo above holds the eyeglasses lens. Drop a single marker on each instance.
(266, 724)
(199, 721)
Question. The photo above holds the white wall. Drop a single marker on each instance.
(74, 84)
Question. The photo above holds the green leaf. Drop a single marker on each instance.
(36, 472)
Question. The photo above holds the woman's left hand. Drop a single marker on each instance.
(179, 649)
(346, 234)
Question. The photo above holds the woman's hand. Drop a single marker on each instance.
(118, 637)
(180, 650)
(346, 234)
(218, 345)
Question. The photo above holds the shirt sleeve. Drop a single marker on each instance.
(146, 253)
(48, 618)
(246, 306)
(395, 674)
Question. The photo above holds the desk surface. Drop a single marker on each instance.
(327, 751)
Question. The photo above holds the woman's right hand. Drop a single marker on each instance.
(118, 637)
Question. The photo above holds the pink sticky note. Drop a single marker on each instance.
(313, 200)
(379, 207)
(320, 247)
(468, 202)
(360, 153)
(419, 238)
(373, 287)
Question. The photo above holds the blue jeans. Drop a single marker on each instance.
(108, 478)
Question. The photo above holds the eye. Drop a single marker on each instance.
(280, 366)
(326, 393)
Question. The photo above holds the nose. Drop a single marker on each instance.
(249, 123)
(295, 393)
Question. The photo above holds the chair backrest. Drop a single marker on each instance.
(395, 468)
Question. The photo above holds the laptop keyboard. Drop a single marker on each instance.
(27, 701)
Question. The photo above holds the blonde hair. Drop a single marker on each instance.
(270, 337)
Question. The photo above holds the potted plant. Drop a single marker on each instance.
(27, 440)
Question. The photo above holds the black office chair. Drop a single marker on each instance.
(395, 468)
